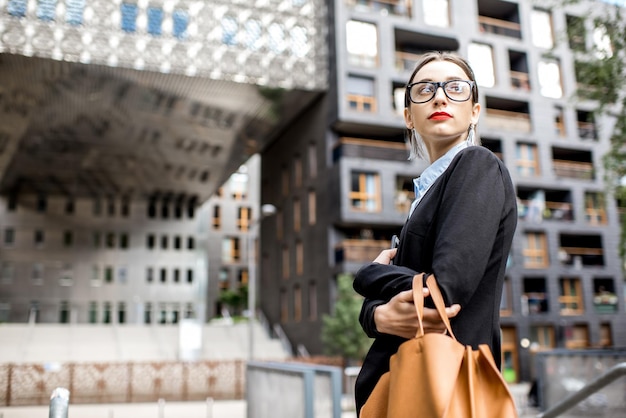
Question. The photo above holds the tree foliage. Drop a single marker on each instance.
(342, 334)
(601, 77)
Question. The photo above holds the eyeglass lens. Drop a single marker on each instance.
(457, 90)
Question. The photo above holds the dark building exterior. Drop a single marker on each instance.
(340, 178)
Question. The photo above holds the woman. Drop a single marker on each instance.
(460, 227)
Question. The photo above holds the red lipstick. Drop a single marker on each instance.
(440, 116)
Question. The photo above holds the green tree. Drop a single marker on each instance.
(234, 299)
(598, 40)
(341, 332)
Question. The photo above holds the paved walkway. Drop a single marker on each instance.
(217, 409)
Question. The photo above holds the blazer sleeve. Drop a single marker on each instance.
(468, 223)
(379, 283)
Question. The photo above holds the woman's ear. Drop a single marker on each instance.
(475, 113)
(408, 120)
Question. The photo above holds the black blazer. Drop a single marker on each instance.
(461, 231)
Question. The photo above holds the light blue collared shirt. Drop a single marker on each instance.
(432, 173)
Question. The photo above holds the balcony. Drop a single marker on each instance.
(359, 251)
(394, 7)
(369, 148)
(573, 169)
(508, 120)
(587, 130)
(520, 81)
(605, 302)
(581, 250)
(499, 27)
(539, 205)
(406, 61)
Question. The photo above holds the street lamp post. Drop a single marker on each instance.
(266, 210)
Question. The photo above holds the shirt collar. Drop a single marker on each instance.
(436, 169)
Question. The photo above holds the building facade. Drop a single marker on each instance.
(342, 183)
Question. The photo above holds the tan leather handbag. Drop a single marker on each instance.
(435, 376)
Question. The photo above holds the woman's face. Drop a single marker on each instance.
(442, 123)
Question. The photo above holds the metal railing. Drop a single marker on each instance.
(594, 386)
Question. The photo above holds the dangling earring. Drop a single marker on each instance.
(416, 146)
(471, 140)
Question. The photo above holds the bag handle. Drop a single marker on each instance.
(437, 297)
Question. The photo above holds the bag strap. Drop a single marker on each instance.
(437, 297)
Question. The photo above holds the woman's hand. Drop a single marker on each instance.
(386, 256)
(398, 316)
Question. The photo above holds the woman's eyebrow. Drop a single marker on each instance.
(428, 79)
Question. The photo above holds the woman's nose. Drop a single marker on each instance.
(440, 94)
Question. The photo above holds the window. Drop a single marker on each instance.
(163, 275)
(360, 94)
(535, 295)
(122, 275)
(191, 243)
(285, 263)
(9, 236)
(37, 273)
(527, 160)
(535, 250)
(244, 218)
(280, 219)
(577, 336)
(602, 43)
(571, 298)
(559, 121)
(95, 276)
(595, 208)
(121, 313)
(542, 337)
(506, 302)
(176, 275)
(180, 21)
(64, 312)
(177, 242)
(549, 72)
(312, 207)
(230, 250)
(96, 239)
(299, 258)
(365, 192)
(189, 275)
(123, 240)
(125, 209)
(576, 33)
(150, 241)
(362, 44)
(164, 242)
(17, 8)
(110, 240)
(509, 354)
(405, 194)
(108, 274)
(68, 238)
(93, 312)
(480, 57)
(312, 301)
(129, 17)
(39, 237)
(69, 206)
(217, 221)
(604, 297)
(147, 313)
(437, 13)
(297, 171)
(106, 314)
(312, 160)
(66, 276)
(606, 340)
(42, 203)
(541, 29)
(111, 206)
(8, 271)
(155, 20)
(297, 303)
(239, 183)
(243, 277)
(97, 207)
(297, 215)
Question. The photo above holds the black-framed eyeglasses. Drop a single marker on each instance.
(455, 90)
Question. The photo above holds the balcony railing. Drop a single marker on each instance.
(581, 256)
(556, 211)
(573, 169)
(360, 251)
(587, 130)
(396, 7)
(406, 61)
(499, 27)
(508, 120)
(520, 80)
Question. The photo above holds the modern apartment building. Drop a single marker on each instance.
(124, 261)
(341, 181)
